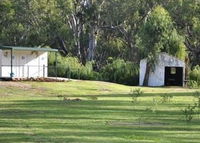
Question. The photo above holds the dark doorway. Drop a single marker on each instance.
(173, 76)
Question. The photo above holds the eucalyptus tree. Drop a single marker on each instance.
(6, 17)
(121, 21)
(186, 14)
(25, 22)
(83, 20)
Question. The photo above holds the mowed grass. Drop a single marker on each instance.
(36, 112)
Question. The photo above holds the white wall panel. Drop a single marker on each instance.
(25, 64)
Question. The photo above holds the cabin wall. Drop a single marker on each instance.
(143, 64)
(156, 78)
(25, 64)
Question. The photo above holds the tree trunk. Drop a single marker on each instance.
(82, 46)
(78, 38)
(147, 73)
(92, 44)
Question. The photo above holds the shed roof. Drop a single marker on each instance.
(27, 49)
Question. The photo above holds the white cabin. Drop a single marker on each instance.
(24, 62)
(169, 71)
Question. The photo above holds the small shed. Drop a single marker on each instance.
(24, 62)
(169, 71)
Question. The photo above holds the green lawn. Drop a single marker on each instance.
(36, 112)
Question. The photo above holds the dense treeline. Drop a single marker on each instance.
(101, 33)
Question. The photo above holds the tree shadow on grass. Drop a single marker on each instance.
(91, 121)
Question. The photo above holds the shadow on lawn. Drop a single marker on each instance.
(92, 121)
(143, 95)
(86, 109)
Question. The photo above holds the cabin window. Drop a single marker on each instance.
(173, 70)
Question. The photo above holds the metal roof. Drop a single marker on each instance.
(28, 49)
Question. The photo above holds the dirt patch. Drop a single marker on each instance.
(104, 89)
(15, 84)
(46, 79)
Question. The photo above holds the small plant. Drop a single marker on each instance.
(135, 93)
(60, 97)
(93, 98)
(189, 112)
(155, 103)
(166, 98)
(193, 84)
(149, 109)
(197, 97)
(194, 77)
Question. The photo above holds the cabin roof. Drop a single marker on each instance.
(164, 55)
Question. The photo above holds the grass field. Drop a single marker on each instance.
(37, 112)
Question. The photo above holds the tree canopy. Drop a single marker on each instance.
(95, 30)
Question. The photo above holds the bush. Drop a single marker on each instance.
(135, 93)
(70, 67)
(166, 98)
(122, 72)
(194, 77)
(189, 112)
(117, 71)
(192, 84)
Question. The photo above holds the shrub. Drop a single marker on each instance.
(194, 77)
(135, 93)
(192, 84)
(189, 112)
(122, 72)
(117, 71)
(70, 67)
(166, 98)
(197, 96)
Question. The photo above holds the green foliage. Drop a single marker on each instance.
(120, 27)
(70, 67)
(176, 46)
(195, 77)
(189, 112)
(166, 98)
(122, 72)
(192, 84)
(197, 96)
(135, 93)
(117, 71)
(188, 24)
(159, 35)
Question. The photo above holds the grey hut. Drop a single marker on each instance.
(169, 71)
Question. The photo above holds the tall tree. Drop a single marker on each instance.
(186, 14)
(84, 22)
